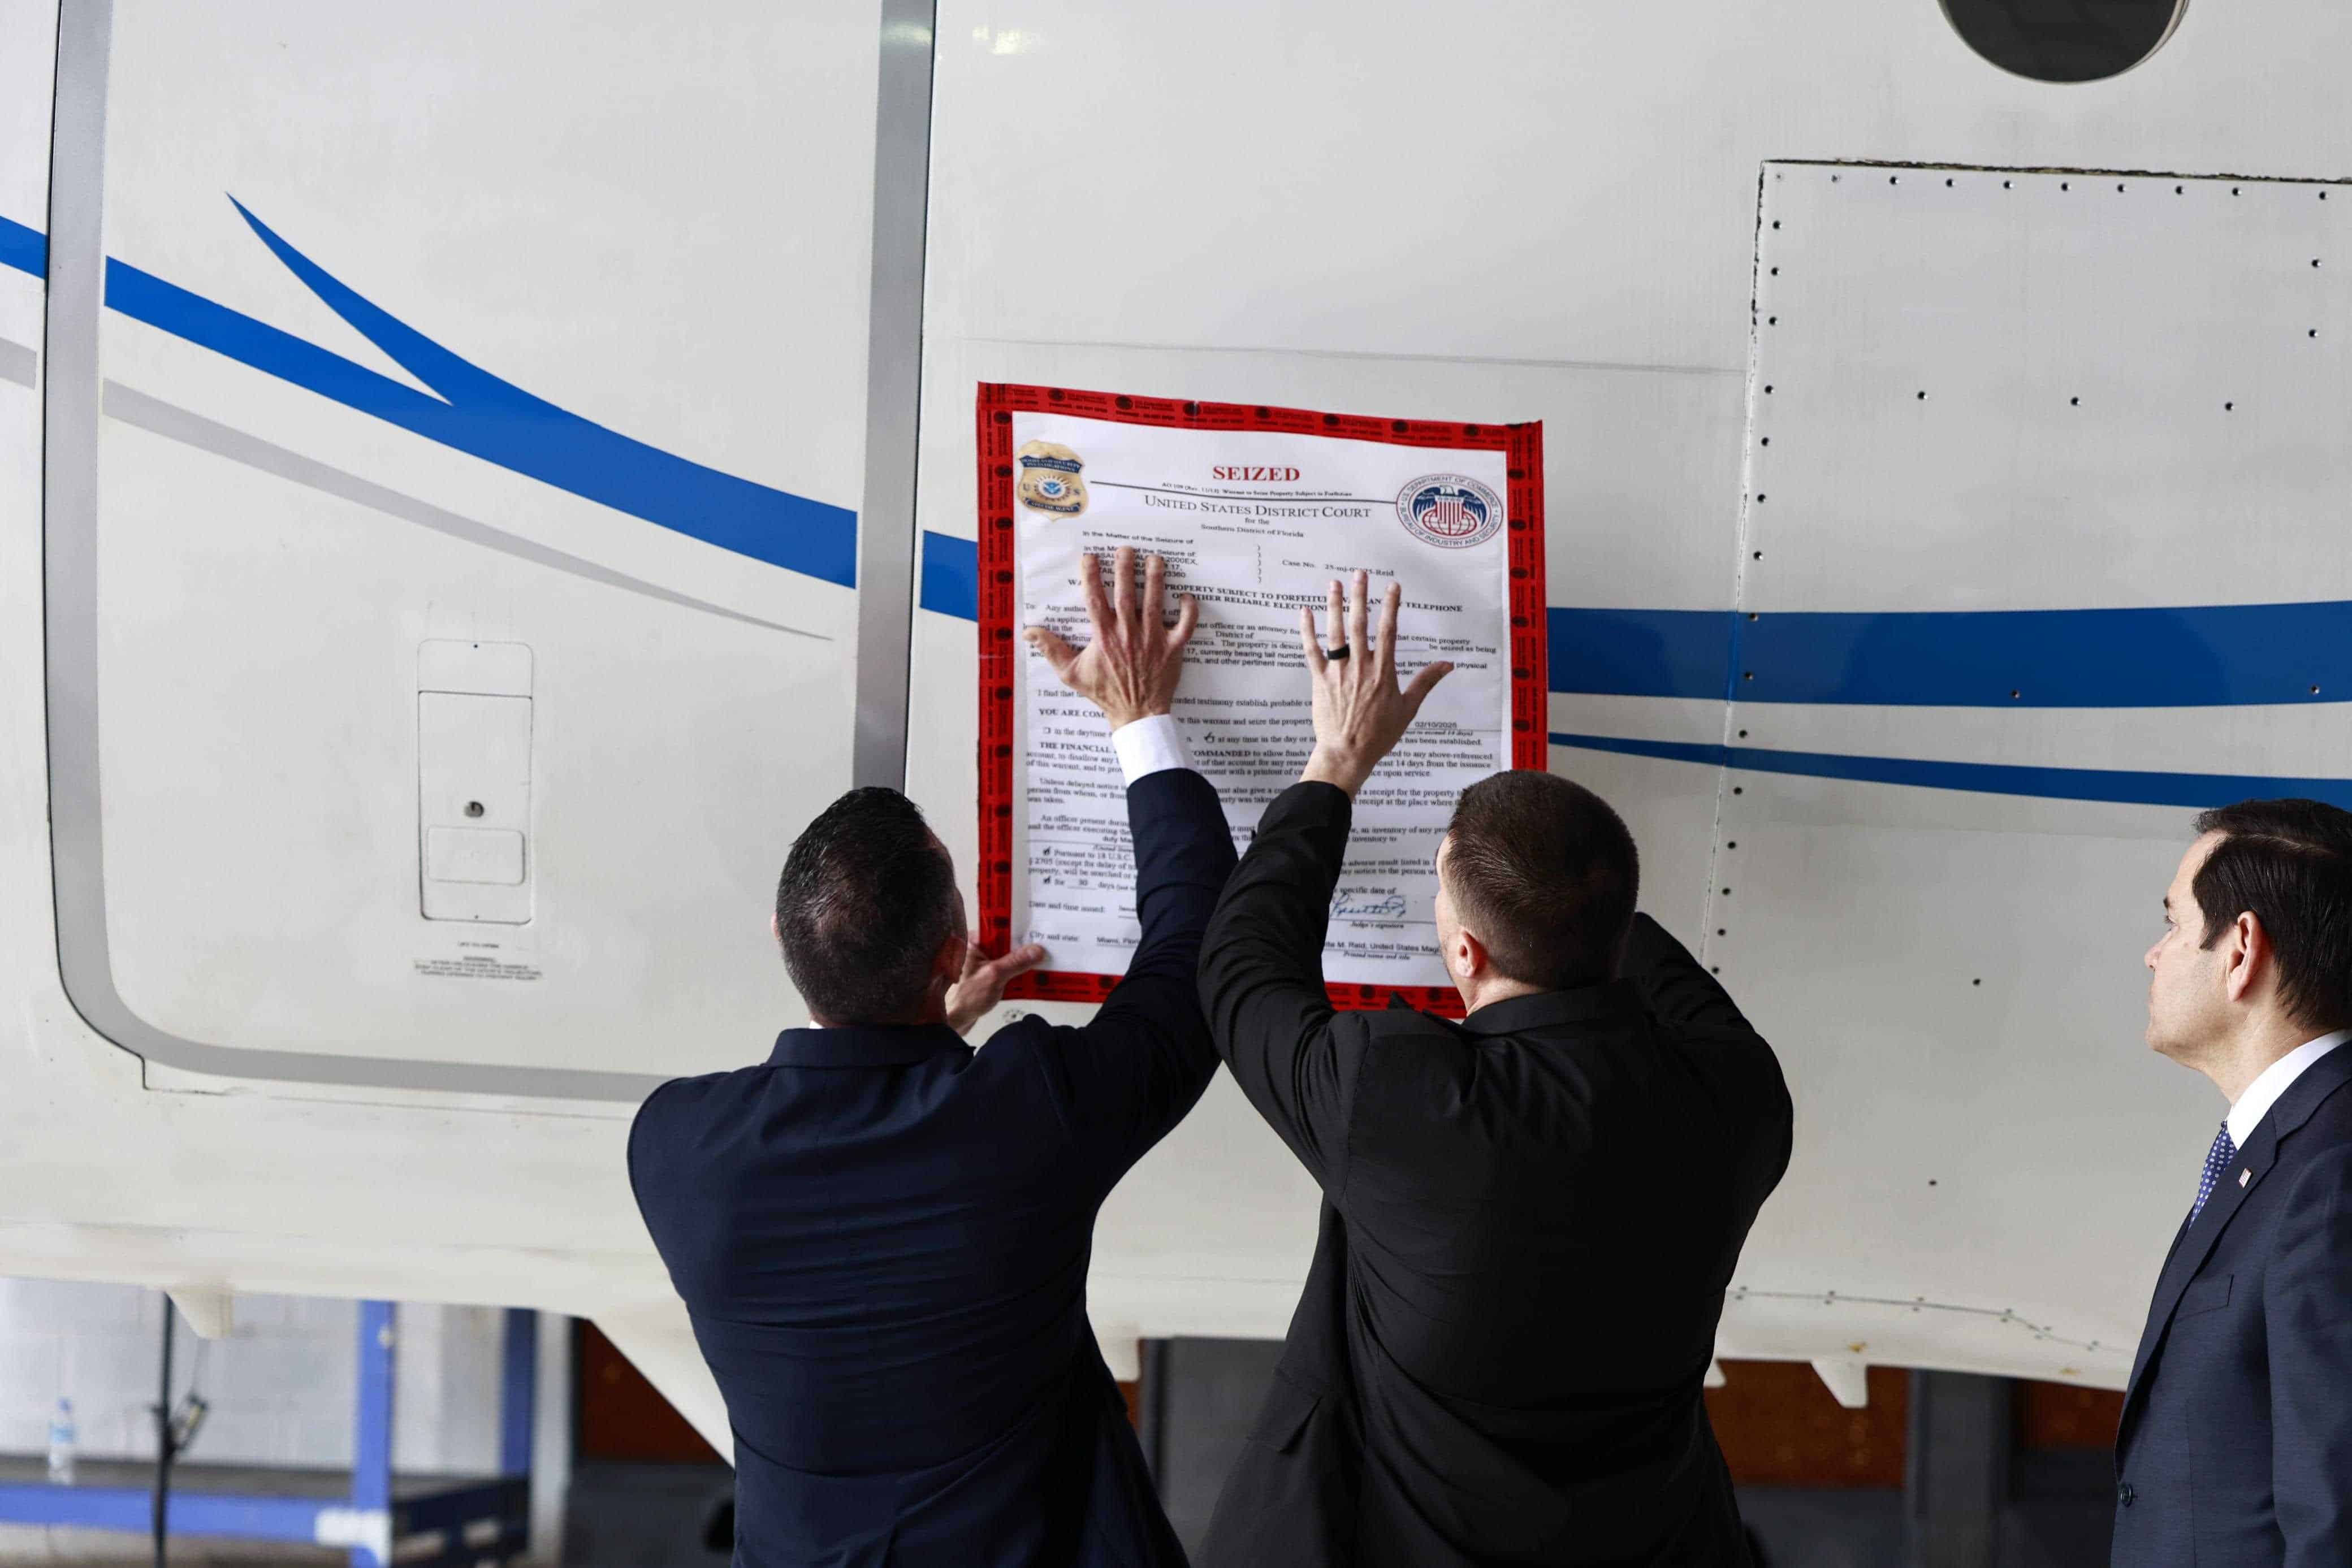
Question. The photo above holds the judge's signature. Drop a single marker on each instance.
(1367, 903)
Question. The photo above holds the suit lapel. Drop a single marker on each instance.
(2181, 1231)
(2196, 1242)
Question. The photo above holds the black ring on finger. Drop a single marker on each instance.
(1339, 652)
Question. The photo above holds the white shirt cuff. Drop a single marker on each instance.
(1149, 744)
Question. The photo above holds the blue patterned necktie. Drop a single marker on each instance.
(2217, 1160)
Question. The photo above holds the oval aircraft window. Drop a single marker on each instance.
(2064, 40)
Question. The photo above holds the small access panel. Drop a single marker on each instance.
(473, 781)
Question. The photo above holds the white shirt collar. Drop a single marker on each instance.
(2274, 1080)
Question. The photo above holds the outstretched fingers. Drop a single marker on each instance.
(1357, 610)
(1155, 591)
(1123, 585)
(982, 984)
(1384, 645)
(1308, 642)
(998, 971)
(1188, 615)
(1424, 682)
(1090, 585)
(1058, 653)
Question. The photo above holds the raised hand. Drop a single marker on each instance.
(1359, 713)
(982, 985)
(1130, 668)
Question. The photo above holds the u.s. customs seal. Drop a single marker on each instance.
(1051, 479)
(1451, 511)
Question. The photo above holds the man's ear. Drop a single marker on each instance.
(948, 962)
(776, 928)
(1467, 958)
(2246, 953)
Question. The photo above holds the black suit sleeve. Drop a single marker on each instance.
(1261, 978)
(1675, 986)
(1743, 1081)
(1140, 1063)
(2310, 1334)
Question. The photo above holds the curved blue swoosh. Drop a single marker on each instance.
(480, 414)
(27, 250)
(2187, 656)
(950, 584)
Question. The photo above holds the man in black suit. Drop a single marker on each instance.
(1530, 1218)
(2235, 1448)
(883, 1235)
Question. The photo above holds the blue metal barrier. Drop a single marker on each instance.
(485, 1520)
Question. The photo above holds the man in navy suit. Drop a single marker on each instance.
(2236, 1443)
(882, 1235)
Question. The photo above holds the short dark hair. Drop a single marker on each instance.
(2289, 864)
(866, 898)
(1547, 874)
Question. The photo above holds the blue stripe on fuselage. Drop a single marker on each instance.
(2192, 790)
(2207, 655)
(480, 415)
(2217, 656)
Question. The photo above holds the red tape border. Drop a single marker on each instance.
(999, 600)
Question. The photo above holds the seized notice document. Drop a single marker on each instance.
(1255, 516)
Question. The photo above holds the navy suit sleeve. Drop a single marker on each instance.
(1261, 978)
(2310, 1333)
(1140, 1063)
(637, 1125)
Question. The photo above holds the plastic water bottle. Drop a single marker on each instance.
(61, 1445)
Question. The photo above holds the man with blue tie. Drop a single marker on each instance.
(2235, 1448)
(882, 1236)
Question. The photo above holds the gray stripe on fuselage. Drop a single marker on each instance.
(132, 406)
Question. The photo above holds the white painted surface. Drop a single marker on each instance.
(550, 167)
(1847, 1378)
(2119, 370)
(1581, 251)
(663, 226)
(220, 1185)
(1259, 176)
(209, 1315)
(473, 802)
(1957, 973)
(28, 36)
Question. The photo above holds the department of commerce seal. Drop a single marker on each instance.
(1050, 479)
(1451, 511)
